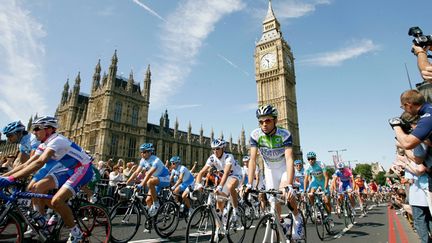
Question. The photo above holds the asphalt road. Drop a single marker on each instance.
(373, 227)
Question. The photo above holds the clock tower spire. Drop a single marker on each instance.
(275, 76)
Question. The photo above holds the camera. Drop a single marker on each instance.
(419, 38)
(406, 127)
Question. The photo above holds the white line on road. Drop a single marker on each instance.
(343, 231)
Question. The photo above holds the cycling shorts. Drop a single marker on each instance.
(81, 176)
(361, 189)
(185, 185)
(164, 181)
(316, 184)
(345, 186)
(274, 178)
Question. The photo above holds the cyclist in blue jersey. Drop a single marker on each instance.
(156, 177)
(318, 177)
(274, 144)
(299, 175)
(245, 169)
(184, 182)
(57, 147)
(27, 143)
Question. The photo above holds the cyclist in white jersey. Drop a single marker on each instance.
(57, 147)
(184, 181)
(231, 174)
(274, 144)
(27, 143)
(157, 176)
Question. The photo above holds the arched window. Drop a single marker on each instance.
(117, 111)
(135, 111)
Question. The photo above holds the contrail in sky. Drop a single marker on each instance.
(233, 64)
(149, 9)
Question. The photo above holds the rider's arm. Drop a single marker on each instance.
(201, 173)
(227, 171)
(289, 164)
(179, 180)
(18, 168)
(252, 164)
(134, 175)
(35, 164)
(326, 179)
(306, 182)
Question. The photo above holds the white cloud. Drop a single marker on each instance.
(355, 49)
(22, 55)
(106, 11)
(148, 9)
(182, 37)
(291, 8)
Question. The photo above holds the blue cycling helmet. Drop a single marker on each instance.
(218, 143)
(311, 155)
(45, 121)
(245, 158)
(13, 127)
(266, 110)
(298, 162)
(340, 165)
(147, 147)
(175, 160)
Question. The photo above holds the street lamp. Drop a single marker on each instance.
(337, 154)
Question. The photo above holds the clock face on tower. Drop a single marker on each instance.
(268, 61)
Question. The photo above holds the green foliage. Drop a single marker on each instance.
(380, 178)
(330, 171)
(365, 170)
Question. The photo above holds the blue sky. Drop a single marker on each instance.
(349, 63)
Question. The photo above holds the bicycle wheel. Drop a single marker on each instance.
(108, 202)
(236, 227)
(201, 226)
(249, 213)
(11, 229)
(94, 222)
(345, 214)
(319, 222)
(266, 230)
(350, 212)
(125, 220)
(166, 220)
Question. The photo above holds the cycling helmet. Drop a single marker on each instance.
(218, 143)
(13, 127)
(266, 110)
(45, 121)
(147, 147)
(340, 165)
(175, 160)
(311, 155)
(245, 158)
(298, 162)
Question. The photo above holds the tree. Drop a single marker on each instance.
(380, 178)
(330, 171)
(365, 170)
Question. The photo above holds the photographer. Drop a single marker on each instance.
(423, 63)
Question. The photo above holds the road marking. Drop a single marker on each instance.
(391, 228)
(343, 231)
(402, 235)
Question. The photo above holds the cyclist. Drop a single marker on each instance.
(245, 169)
(316, 173)
(27, 143)
(274, 144)
(373, 188)
(57, 147)
(184, 182)
(343, 180)
(359, 186)
(231, 177)
(157, 176)
(299, 175)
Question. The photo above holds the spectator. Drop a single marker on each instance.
(121, 163)
(114, 177)
(422, 61)
(8, 162)
(103, 170)
(130, 168)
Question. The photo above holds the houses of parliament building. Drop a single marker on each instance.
(112, 121)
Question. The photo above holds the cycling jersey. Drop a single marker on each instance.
(359, 182)
(28, 143)
(161, 172)
(188, 178)
(344, 178)
(66, 152)
(373, 187)
(316, 171)
(226, 159)
(299, 178)
(272, 147)
(245, 174)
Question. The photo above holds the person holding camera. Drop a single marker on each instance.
(423, 63)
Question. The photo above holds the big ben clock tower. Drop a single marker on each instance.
(275, 77)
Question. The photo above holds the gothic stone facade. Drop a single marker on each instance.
(112, 121)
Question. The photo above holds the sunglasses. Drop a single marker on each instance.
(311, 158)
(36, 129)
(268, 120)
(10, 135)
(217, 149)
